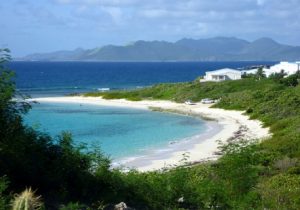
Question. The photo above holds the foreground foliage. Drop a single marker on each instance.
(27, 200)
(249, 175)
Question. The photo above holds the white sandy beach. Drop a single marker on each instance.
(234, 125)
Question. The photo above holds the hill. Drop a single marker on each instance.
(212, 49)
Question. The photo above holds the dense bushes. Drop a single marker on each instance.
(281, 192)
(191, 90)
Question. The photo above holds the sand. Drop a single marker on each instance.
(233, 125)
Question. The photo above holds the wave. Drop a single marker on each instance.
(103, 89)
(68, 90)
(51, 88)
(75, 88)
(165, 152)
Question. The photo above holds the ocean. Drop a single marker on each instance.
(60, 78)
(121, 133)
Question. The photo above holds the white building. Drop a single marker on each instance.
(288, 67)
(222, 75)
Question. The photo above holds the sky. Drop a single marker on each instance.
(31, 26)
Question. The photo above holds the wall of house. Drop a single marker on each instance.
(234, 76)
(229, 76)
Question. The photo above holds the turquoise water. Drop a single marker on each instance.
(120, 132)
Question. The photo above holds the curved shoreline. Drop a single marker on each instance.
(182, 146)
(234, 125)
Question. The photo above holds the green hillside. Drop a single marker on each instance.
(211, 49)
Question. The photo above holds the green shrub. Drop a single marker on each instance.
(27, 200)
(3, 198)
(73, 206)
(280, 192)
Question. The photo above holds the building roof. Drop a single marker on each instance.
(251, 71)
(224, 71)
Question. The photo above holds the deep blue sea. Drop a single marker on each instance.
(59, 78)
(120, 132)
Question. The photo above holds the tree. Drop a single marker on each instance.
(3, 197)
(9, 109)
(278, 76)
(291, 80)
(30, 158)
(260, 73)
(4, 56)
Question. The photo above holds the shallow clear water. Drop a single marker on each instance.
(120, 132)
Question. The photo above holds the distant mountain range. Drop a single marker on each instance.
(212, 49)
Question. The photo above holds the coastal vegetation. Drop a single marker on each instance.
(249, 175)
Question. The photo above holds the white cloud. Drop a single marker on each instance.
(64, 1)
(98, 2)
(261, 2)
(115, 12)
(122, 21)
